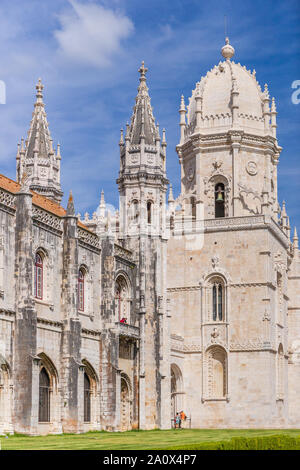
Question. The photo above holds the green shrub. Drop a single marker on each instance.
(275, 442)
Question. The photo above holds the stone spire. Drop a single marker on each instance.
(38, 158)
(102, 205)
(295, 239)
(142, 120)
(70, 206)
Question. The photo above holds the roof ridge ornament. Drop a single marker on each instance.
(227, 51)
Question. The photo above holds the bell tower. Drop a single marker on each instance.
(142, 186)
(228, 150)
(142, 178)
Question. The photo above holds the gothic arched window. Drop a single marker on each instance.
(81, 290)
(218, 294)
(87, 399)
(216, 298)
(38, 276)
(219, 200)
(44, 396)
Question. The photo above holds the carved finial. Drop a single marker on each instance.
(227, 51)
(182, 105)
(143, 70)
(266, 92)
(164, 136)
(39, 92)
(273, 106)
(70, 206)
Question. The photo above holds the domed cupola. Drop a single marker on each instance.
(229, 96)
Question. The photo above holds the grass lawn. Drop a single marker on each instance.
(132, 439)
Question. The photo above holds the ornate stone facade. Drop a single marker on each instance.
(118, 321)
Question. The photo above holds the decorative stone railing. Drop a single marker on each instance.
(130, 331)
(45, 218)
(7, 199)
(123, 253)
(88, 238)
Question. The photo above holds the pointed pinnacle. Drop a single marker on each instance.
(182, 105)
(171, 197)
(58, 155)
(102, 200)
(70, 206)
(266, 92)
(273, 106)
(121, 137)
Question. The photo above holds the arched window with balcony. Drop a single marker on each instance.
(219, 200)
(38, 276)
(122, 300)
(81, 287)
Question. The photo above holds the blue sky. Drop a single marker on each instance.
(88, 53)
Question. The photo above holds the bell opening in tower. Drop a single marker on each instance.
(219, 200)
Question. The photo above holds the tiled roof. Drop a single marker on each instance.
(41, 201)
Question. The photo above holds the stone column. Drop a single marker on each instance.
(24, 416)
(71, 335)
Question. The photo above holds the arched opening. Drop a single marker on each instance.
(5, 397)
(49, 396)
(122, 300)
(176, 390)
(219, 200)
(149, 212)
(280, 373)
(44, 396)
(135, 211)
(38, 276)
(216, 372)
(81, 299)
(91, 401)
(87, 399)
(216, 300)
(126, 405)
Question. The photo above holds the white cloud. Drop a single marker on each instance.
(92, 34)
